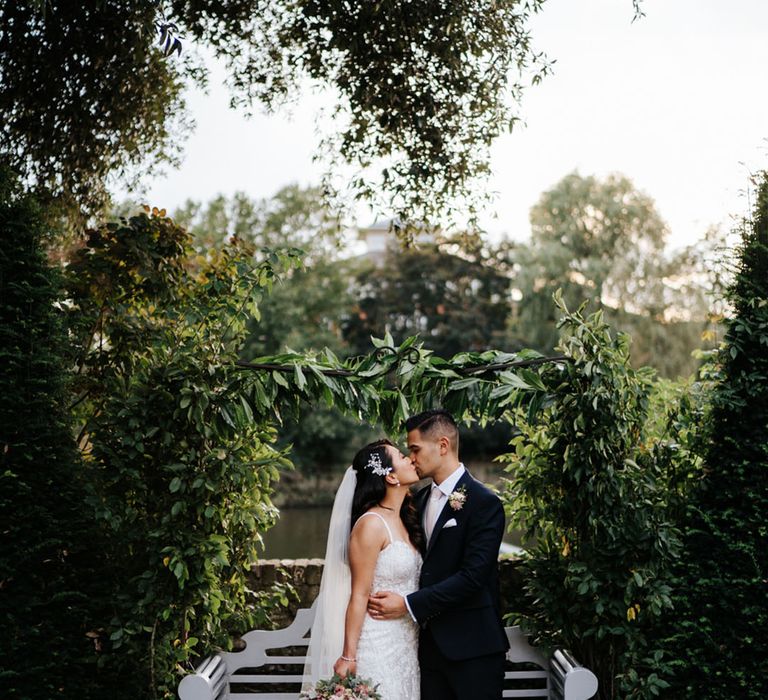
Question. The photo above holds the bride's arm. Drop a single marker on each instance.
(365, 543)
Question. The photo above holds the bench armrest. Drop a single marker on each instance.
(208, 682)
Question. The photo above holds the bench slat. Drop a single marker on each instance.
(526, 674)
(253, 678)
(296, 660)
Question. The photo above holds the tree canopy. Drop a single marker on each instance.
(603, 240)
(305, 308)
(85, 95)
(595, 239)
(421, 88)
(424, 86)
(454, 300)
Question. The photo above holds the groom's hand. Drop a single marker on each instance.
(385, 605)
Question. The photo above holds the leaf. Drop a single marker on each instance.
(378, 342)
(247, 409)
(463, 384)
(501, 390)
(301, 380)
(280, 379)
(404, 408)
(513, 379)
(227, 418)
(532, 379)
(372, 372)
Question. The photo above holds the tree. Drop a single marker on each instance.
(717, 642)
(50, 550)
(84, 95)
(454, 300)
(294, 217)
(597, 239)
(303, 311)
(423, 88)
(604, 241)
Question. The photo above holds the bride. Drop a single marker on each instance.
(374, 544)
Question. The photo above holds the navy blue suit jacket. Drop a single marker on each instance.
(458, 596)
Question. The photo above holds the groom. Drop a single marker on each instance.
(462, 644)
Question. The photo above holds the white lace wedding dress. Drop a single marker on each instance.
(387, 652)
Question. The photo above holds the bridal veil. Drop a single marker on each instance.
(327, 637)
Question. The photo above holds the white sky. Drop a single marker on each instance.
(676, 101)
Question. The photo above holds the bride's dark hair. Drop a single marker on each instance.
(371, 489)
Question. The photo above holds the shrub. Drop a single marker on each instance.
(586, 488)
(47, 573)
(180, 460)
(716, 633)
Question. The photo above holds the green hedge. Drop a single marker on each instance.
(717, 634)
(49, 582)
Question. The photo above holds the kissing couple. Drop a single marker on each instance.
(409, 595)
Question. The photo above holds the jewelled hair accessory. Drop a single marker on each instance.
(375, 465)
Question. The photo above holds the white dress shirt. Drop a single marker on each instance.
(438, 497)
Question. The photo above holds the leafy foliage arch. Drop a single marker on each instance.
(392, 383)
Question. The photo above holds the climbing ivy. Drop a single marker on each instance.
(179, 473)
(177, 435)
(586, 486)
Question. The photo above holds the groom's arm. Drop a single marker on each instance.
(481, 553)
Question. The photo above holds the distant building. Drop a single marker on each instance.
(380, 236)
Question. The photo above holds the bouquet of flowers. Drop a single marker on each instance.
(338, 688)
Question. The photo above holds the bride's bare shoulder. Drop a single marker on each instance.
(369, 531)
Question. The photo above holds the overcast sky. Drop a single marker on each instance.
(676, 101)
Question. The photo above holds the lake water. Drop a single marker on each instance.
(301, 533)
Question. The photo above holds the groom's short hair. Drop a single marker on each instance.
(435, 423)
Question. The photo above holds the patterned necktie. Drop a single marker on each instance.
(433, 510)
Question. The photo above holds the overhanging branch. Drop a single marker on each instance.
(411, 355)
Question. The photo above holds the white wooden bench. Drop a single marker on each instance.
(250, 674)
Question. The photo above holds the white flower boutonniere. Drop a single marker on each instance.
(458, 498)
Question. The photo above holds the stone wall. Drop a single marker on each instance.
(304, 575)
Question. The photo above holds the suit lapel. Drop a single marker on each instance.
(421, 502)
(446, 513)
(421, 499)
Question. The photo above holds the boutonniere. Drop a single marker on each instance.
(458, 498)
